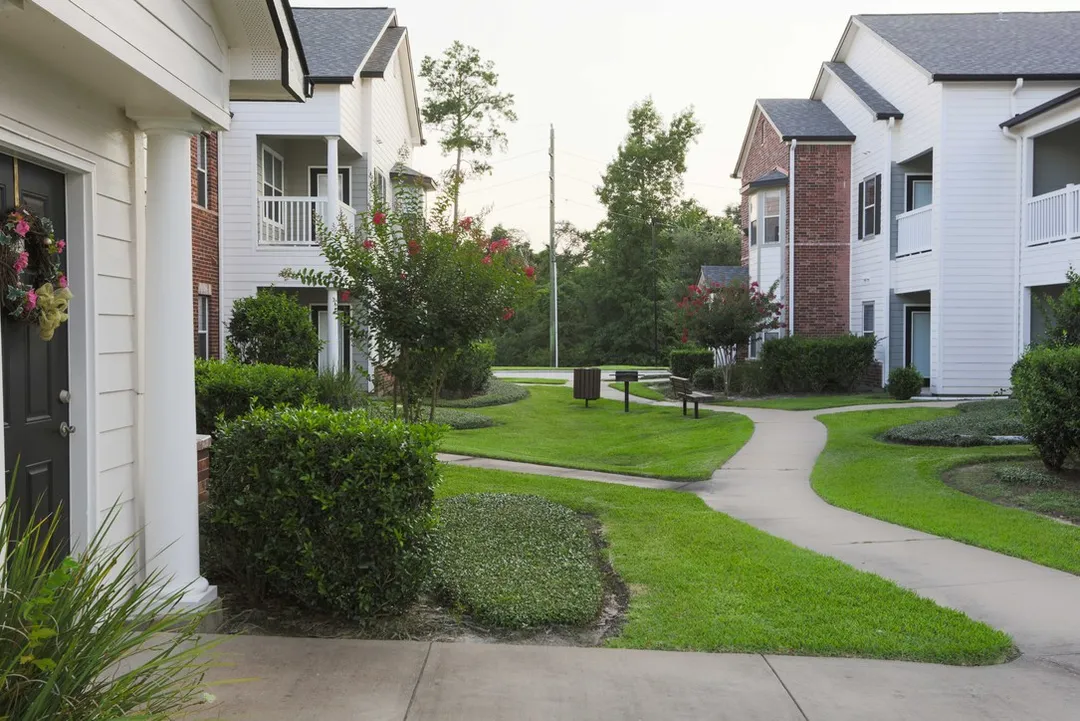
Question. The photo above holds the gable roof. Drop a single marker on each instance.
(770, 179)
(339, 41)
(380, 58)
(984, 46)
(798, 119)
(724, 274)
(874, 101)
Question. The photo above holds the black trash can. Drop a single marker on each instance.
(587, 384)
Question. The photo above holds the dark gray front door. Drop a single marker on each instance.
(35, 372)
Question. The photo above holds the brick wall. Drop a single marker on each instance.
(822, 239)
(204, 243)
(767, 152)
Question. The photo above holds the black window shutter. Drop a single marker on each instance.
(877, 206)
(860, 213)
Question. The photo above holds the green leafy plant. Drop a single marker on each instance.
(1046, 382)
(271, 327)
(1019, 475)
(469, 370)
(496, 393)
(684, 361)
(979, 423)
(460, 420)
(1062, 314)
(340, 390)
(84, 637)
(516, 561)
(904, 383)
(747, 379)
(704, 379)
(229, 390)
(329, 509)
(797, 364)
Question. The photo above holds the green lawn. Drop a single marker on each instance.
(552, 428)
(569, 369)
(537, 381)
(903, 484)
(702, 581)
(812, 403)
(641, 390)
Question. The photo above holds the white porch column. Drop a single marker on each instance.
(169, 465)
(333, 340)
(333, 192)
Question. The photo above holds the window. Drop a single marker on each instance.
(759, 340)
(868, 318)
(273, 182)
(920, 192)
(753, 219)
(870, 203)
(770, 212)
(202, 347)
(381, 188)
(202, 178)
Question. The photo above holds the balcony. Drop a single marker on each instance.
(914, 231)
(1052, 217)
(290, 221)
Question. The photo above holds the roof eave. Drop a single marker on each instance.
(999, 77)
(332, 79)
(1039, 110)
(819, 138)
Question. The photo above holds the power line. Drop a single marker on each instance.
(520, 202)
(499, 185)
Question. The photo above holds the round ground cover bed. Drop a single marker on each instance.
(979, 423)
(1022, 484)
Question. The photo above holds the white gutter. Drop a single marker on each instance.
(1019, 174)
(790, 295)
(887, 272)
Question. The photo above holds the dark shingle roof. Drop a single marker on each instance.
(383, 53)
(871, 98)
(338, 40)
(724, 274)
(985, 45)
(771, 178)
(411, 176)
(804, 119)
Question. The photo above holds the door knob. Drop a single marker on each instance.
(65, 396)
(65, 429)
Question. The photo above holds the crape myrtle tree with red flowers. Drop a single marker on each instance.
(724, 317)
(421, 290)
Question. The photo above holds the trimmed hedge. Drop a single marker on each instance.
(496, 393)
(904, 383)
(979, 423)
(685, 361)
(705, 379)
(329, 509)
(1046, 382)
(796, 364)
(272, 327)
(469, 371)
(233, 389)
(516, 561)
(747, 379)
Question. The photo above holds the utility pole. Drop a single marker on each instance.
(655, 299)
(553, 340)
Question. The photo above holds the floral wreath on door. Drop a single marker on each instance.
(35, 289)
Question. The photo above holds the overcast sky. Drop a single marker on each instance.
(580, 65)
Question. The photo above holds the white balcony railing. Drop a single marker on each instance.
(913, 230)
(290, 221)
(1052, 217)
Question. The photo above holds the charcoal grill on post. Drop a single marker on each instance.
(626, 377)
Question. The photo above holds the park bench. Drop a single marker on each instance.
(684, 391)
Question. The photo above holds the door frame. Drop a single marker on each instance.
(908, 309)
(313, 189)
(344, 340)
(80, 193)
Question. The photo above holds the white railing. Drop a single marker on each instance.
(913, 230)
(1052, 217)
(290, 220)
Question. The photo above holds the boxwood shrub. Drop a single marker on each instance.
(684, 361)
(797, 364)
(904, 383)
(470, 370)
(1046, 382)
(705, 379)
(329, 509)
(747, 379)
(228, 389)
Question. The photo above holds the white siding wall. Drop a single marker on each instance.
(44, 108)
(392, 137)
(769, 270)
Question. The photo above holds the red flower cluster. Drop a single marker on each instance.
(368, 244)
(346, 296)
(530, 272)
(379, 218)
(414, 247)
(486, 260)
(498, 244)
(508, 313)
(466, 223)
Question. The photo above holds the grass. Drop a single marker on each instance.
(516, 561)
(571, 368)
(538, 381)
(552, 428)
(903, 485)
(980, 423)
(1026, 485)
(497, 393)
(641, 390)
(702, 581)
(811, 403)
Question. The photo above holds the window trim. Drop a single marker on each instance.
(202, 327)
(779, 216)
(383, 180)
(202, 170)
(909, 188)
(265, 149)
(870, 230)
(872, 306)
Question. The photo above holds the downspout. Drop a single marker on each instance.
(791, 240)
(1020, 180)
(887, 273)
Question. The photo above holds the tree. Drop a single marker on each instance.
(422, 291)
(1062, 314)
(271, 327)
(699, 238)
(724, 317)
(464, 103)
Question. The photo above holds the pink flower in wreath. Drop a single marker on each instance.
(22, 228)
(22, 262)
(60, 245)
(31, 299)
(62, 281)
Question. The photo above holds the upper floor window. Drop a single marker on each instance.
(273, 181)
(870, 202)
(202, 347)
(753, 219)
(381, 188)
(770, 216)
(202, 176)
